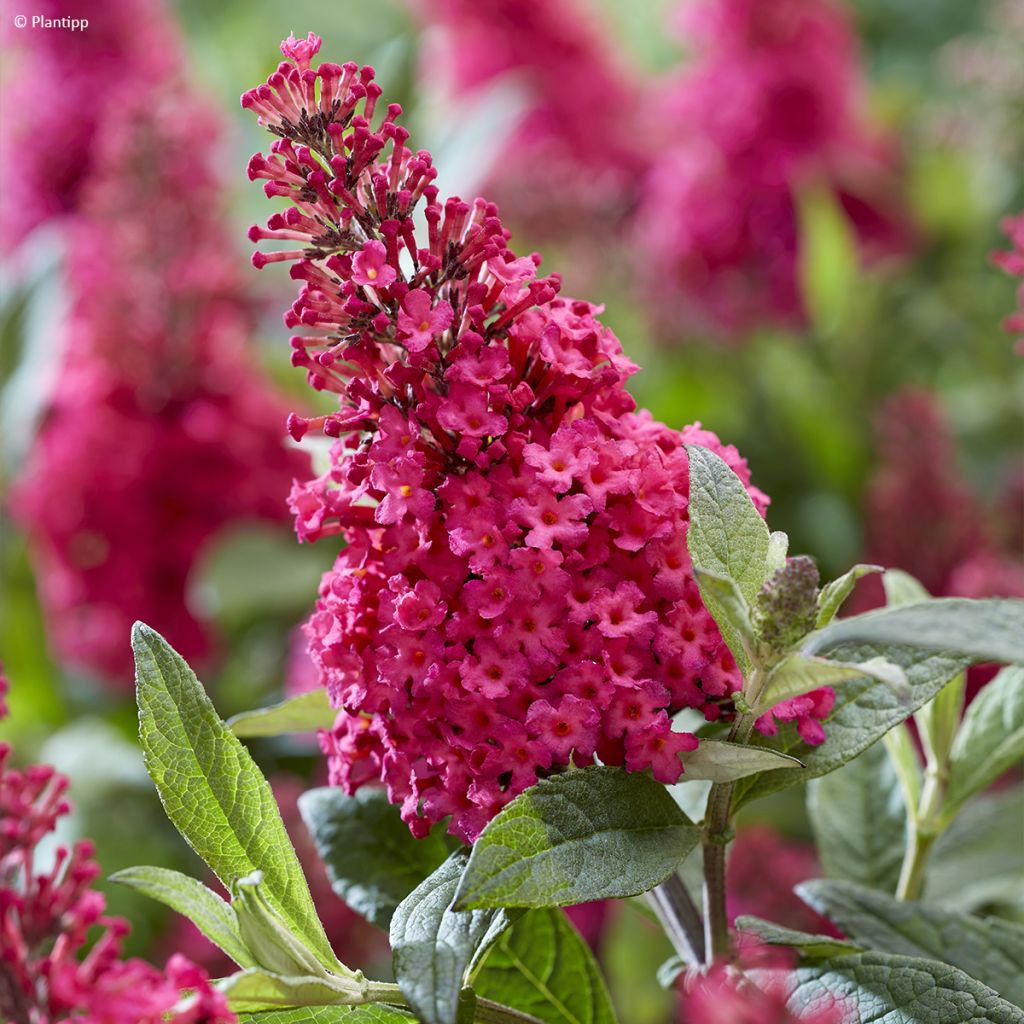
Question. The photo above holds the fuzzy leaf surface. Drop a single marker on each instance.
(587, 834)
(213, 791)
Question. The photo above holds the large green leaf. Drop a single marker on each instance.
(587, 834)
(372, 858)
(305, 712)
(864, 711)
(984, 630)
(977, 861)
(990, 950)
(860, 820)
(213, 916)
(727, 538)
(990, 740)
(434, 945)
(212, 789)
(542, 967)
(887, 989)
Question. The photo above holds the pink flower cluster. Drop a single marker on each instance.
(162, 429)
(515, 594)
(53, 965)
(769, 104)
(1012, 261)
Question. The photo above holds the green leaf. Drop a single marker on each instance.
(828, 267)
(902, 588)
(834, 594)
(257, 989)
(372, 859)
(865, 709)
(213, 916)
(939, 719)
(721, 761)
(434, 945)
(899, 745)
(798, 674)
(670, 971)
(212, 789)
(587, 834)
(730, 604)
(990, 740)
(860, 821)
(886, 989)
(976, 862)
(726, 535)
(990, 950)
(306, 712)
(778, 546)
(541, 966)
(810, 947)
(372, 1014)
(991, 629)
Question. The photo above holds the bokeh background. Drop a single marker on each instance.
(788, 208)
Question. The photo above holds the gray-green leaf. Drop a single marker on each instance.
(542, 967)
(257, 989)
(991, 629)
(587, 834)
(373, 1014)
(865, 709)
(798, 674)
(990, 740)
(888, 989)
(730, 604)
(834, 594)
(977, 861)
(860, 820)
(810, 947)
(213, 916)
(434, 945)
(721, 761)
(990, 950)
(726, 536)
(212, 789)
(305, 712)
(372, 859)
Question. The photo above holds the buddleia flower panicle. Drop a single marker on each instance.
(515, 593)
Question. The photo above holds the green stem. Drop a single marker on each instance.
(924, 831)
(718, 833)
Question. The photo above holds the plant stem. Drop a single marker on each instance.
(717, 836)
(680, 918)
(923, 833)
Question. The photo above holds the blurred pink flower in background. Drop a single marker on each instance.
(1012, 261)
(923, 517)
(764, 868)
(56, 98)
(770, 103)
(162, 427)
(577, 147)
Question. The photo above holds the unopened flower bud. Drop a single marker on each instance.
(787, 605)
